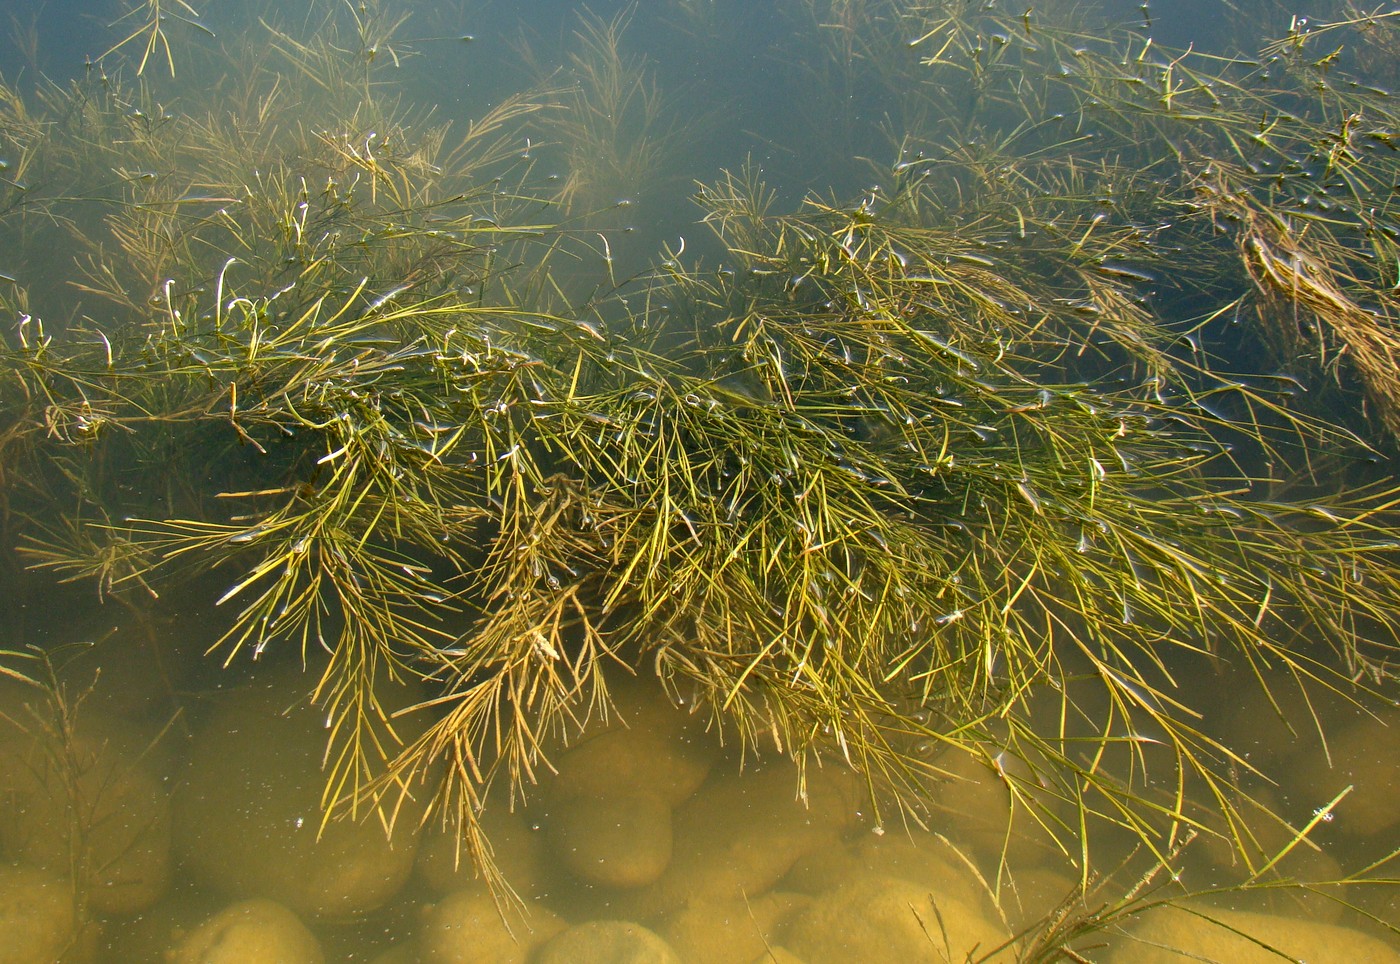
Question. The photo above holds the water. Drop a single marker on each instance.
(185, 795)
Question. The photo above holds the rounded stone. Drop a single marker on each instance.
(468, 928)
(646, 744)
(615, 841)
(1250, 724)
(631, 762)
(977, 799)
(739, 835)
(1038, 894)
(882, 920)
(1270, 840)
(607, 942)
(38, 921)
(915, 856)
(104, 774)
(1363, 754)
(730, 932)
(248, 817)
(777, 955)
(517, 849)
(249, 932)
(1199, 933)
(149, 935)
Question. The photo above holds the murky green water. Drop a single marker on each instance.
(163, 788)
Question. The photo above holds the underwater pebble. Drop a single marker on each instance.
(1169, 935)
(1268, 838)
(1365, 754)
(467, 928)
(620, 840)
(147, 936)
(777, 955)
(729, 932)
(876, 920)
(1032, 895)
(398, 954)
(607, 942)
(519, 852)
(38, 921)
(743, 831)
(113, 785)
(632, 761)
(1252, 727)
(914, 856)
(249, 932)
(979, 805)
(646, 746)
(247, 815)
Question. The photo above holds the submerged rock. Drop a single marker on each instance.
(1168, 935)
(649, 748)
(1032, 895)
(249, 932)
(607, 942)
(1304, 862)
(979, 804)
(615, 841)
(398, 954)
(517, 848)
(149, 935)
(468, 928)
(741, 833)
(730, 932)
(777, 955)
(38, 919)
(248, 814)
(1251, 725)
(84, 795)
(1365, 755)
(876, 920)
(916, 856)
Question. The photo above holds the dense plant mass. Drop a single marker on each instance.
(973, 457)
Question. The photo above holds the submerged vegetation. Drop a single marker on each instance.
(970, 460)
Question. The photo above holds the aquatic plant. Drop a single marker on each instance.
(81, 800)
(924, 470)
(1286, 155)
(608, 121)
(151, 18)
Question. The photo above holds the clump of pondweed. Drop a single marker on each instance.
(609, 121)
(857, 467)
(1241, 187)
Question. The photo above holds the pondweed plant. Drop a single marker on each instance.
(610, 122)
(926, 468)
(1131, 158)
(146, 23)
